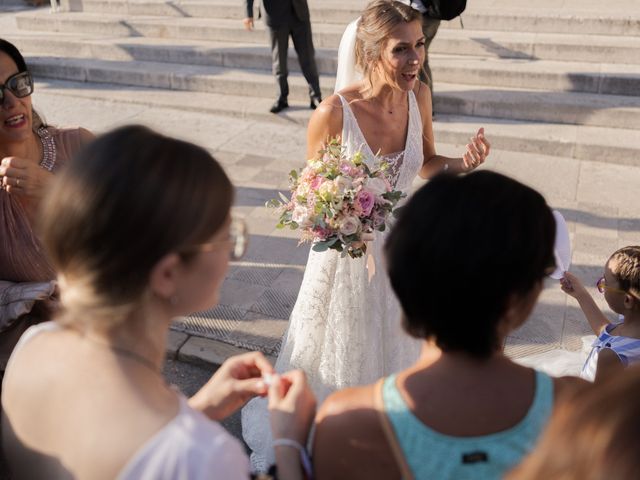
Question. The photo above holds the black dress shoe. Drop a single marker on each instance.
(314, 102)
(279, 106)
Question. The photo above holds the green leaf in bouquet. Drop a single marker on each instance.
(273, 203)
(397, 212)
(293, 225)
(320, 247)
(283, 197)
(357, 252)
(293, 174)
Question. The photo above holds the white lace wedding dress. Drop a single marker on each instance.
(345, 328)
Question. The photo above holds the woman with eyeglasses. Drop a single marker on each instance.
(30, 154)
(138, 228)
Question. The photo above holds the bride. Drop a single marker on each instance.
(345, 327)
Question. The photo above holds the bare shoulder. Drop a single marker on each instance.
(423, 97)
(23, 381)
(345, 401)
(328, 114)
(567, 386)
(325, 123)
(349, 441)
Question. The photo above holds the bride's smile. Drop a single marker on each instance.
(403, 55)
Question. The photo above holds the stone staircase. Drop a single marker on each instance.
(539, 80)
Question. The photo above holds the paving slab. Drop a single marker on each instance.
(584, 159)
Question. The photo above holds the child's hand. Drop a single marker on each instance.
(572, 286)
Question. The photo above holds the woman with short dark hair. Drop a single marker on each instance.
(467, 259)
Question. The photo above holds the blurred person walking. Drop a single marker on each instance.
(288, 18)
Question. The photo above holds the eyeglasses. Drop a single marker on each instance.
(238, 240)
(20, 85)
(601, 285)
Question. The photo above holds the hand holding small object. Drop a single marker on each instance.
(292, 406)
(238, 379)
(572, 286)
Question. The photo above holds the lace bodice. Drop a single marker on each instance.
(345, 327)
(402, 173)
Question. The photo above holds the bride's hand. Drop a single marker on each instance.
(477, 151)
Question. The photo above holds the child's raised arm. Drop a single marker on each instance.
(572, 286)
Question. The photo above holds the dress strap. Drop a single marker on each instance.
(389, 433)
(348, 118)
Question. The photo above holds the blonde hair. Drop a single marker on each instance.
(376, 24)
(125, 201)
(592, 435)
(627, 270)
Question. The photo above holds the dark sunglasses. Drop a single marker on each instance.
(20, 85)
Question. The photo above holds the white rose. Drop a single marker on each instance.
(349, 225)
(300, 215)
(342, 184)
(377, 186)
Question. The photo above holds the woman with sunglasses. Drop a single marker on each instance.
(618, 343)
(138, 228)
(30, 153)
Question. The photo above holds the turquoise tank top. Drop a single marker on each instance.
(430, 454)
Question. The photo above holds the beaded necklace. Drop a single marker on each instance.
(48, 149)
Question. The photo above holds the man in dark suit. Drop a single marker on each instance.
(286, 18)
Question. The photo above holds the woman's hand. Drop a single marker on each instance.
(238, 380)
(477, 151)
(292, 406)
(19, 176)
(572, 286)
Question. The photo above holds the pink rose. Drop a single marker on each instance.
(364, 202)
(316, 182)
(321, 233)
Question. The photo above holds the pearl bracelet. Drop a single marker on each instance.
(304, 456)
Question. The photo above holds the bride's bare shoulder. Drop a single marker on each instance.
(328, 116)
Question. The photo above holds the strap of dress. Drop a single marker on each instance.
(389, 433)
(348, 120)
(414, 132)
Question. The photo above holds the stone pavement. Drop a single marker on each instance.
(599, 201)
(560, 104)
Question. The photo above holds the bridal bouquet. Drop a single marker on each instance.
(338, 200)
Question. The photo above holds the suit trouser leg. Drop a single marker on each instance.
(279, 46)
(303, 43)
(429, 30)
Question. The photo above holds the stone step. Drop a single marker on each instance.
(518, 104)
(598, 144)
(476, 17)
(194, 78)
(187, 52)
(541, 75)
(574, 108)
(535, 46)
